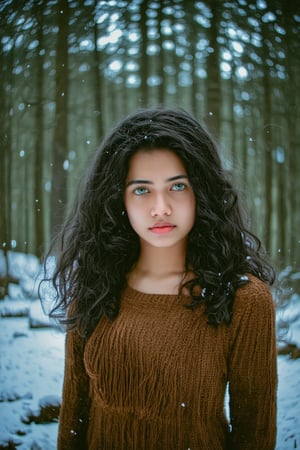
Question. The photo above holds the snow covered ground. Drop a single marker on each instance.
(32, 358)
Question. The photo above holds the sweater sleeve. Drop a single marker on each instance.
(73, 418)
(253, 370)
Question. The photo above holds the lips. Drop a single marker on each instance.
(162, 228)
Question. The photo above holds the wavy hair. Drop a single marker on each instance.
(97, 247)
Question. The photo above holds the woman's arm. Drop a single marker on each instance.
(253, 370)
(73, 418)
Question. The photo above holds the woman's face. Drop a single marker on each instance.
(159, 199)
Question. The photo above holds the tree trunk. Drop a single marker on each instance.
(6, 171)
(60, 138)
(39, 143)
(98, 84)
(267, 137)
(292, 181)
(144, 58)
(213, 70)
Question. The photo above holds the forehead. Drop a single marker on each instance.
(154, 162)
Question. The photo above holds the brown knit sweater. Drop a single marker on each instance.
(155, 378)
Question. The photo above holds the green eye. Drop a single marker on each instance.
(178, 187)
(141, 191)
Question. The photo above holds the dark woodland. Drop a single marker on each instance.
(71, 69)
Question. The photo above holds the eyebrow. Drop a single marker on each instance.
(140, 181)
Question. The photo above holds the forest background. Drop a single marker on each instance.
(71, 69)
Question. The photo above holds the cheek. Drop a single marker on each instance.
(191, 206)
(191, 212)
(134, 213)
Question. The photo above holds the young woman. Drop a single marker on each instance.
(166, 300)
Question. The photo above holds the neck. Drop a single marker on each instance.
(162, 260)
(159, 270)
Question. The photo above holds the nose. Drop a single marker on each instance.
(161, 207)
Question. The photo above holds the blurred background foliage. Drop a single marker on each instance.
(70, 69)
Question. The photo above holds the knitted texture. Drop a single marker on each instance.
(155, 377)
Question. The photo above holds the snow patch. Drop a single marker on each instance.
(32, 363)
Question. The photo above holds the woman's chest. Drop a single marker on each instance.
(173, 351)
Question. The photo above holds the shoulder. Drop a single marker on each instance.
(255, 298)
(253, 315)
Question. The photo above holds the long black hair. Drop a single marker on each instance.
(97, 246)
